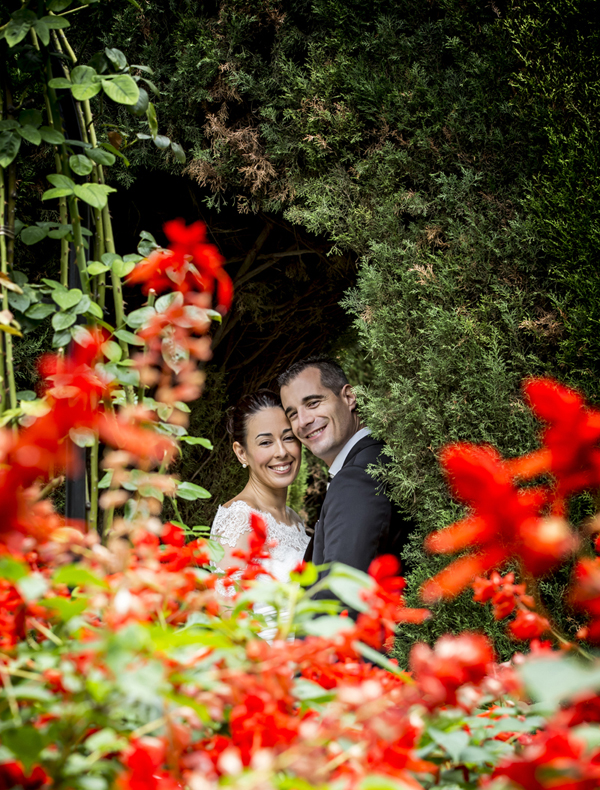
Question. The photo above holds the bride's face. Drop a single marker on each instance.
(272, 451)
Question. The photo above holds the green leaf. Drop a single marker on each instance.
(216, 551)
(32, 587)
(18, 302)
(129, 337)
(121, 89)
(81, 335)
(12, 569)
(100, 156)
(58, 5)
(95, 310)
(128, 376)
(122, 269)
(307, 577)
(60, 82)
(95, 267)
(61, 339)
(115, 151)
(25, 743)
(39, 311)
(116, 57)
(152, 119)
(550, 681)
(137, 318)
(26, 395)
(82, 437)
(106, 479)
(67, 299)
(191, 492)
(33, 234)
(86, 90)
(112, 351)
(18, 26)
(452, 742)
(304, 689)
(384, 782)
(60, 181)
(50, 194)
(161, 141)
(66, 608)
(83, 74)
(164, 302)
(178, 152)
(96, 195)
(83, 305)
(8, 124)
(328, 626)
(80, 164)
(43, 31)
(152, 86)
(31, 134)
(63, 321)
(51, 136)
(31, 118)
(10, 142)
(197, 440)
(76, 576)
(141, 105)
(60, 232)
(56, 22)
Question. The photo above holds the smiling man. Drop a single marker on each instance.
(358, 521)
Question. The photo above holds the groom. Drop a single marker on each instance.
(358, 522)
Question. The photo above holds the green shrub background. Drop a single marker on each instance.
(441, 161)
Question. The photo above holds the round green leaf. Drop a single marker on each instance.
(18, 26)
(61, 339)
(52, 136)
(162, 141)
(43, 31)
(9, 147)
(49, 194)
(138, 318)
(31, 134)
(116, 57)
(85, 90)
(96, 195)
(101, 157)
(95, 267)
(80, 164)
(121, 89)
(60, 82)
(63, 320)
(129, 337)
(83, 305)
(122, 269)
(112, 351)
(39, 311)
(141, 105)
(60, 181)
(152, 119)
(33, 234)
(67, 299)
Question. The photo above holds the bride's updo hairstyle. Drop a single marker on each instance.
(238, 415)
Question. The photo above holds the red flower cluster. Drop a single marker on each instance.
(555, 760)
(453, 662)
(189, 264)
(506, 596)
(506, 521)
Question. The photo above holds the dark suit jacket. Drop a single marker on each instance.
(357, 521)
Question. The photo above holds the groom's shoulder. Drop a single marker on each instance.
(367, 451)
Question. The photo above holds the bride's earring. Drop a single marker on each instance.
(244, 466)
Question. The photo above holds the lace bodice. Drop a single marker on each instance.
(232, 522)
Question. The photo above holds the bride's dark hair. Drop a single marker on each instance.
(238, 415)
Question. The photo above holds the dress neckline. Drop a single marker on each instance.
(294, 528)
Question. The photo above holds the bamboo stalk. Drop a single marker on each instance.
(93, 481)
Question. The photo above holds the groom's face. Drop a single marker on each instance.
(322, 420)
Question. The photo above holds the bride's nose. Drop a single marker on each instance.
(280, 450)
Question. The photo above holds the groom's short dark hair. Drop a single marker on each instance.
(332, 375)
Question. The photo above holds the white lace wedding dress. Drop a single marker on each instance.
(232, 522)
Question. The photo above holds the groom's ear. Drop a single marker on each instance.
(348, 396)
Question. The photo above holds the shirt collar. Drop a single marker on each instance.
(338, 461)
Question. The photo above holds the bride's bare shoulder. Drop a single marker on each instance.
(235, 499)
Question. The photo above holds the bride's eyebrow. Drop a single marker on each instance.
(258, 435)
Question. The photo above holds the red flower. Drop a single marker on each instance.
(585, 594)
(554, 760)
(173, 535)
(190, 263)
(453, 661)
(144, 767)
(528, 625)
(13, 775)
(504, 522)
(571, 452)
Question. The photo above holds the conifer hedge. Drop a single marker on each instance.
(452, 148)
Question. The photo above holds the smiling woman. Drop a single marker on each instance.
(264, 443)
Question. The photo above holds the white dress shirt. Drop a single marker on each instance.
(338, 461)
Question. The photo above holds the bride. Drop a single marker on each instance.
(264, 444)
